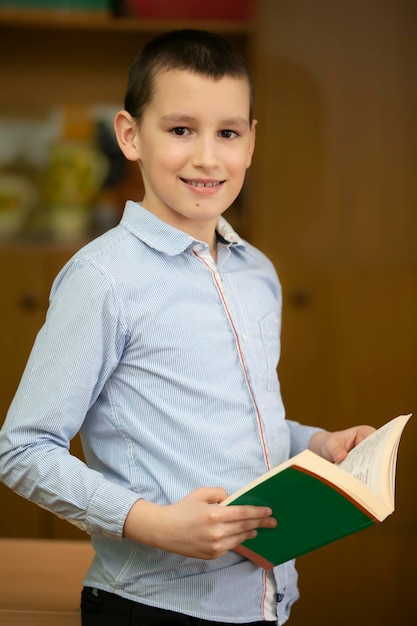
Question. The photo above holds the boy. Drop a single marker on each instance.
(160, 346)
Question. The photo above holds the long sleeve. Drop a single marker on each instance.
(300, 436)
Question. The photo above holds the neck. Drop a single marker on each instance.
(213, 249)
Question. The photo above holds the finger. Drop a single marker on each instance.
(338, 454)
(247, 511)
(249, 525)
(250, 533)
(236, 540)
(364, 432)
(351, 442)
(357, 436)
(227, 536)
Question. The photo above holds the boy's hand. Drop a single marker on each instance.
(335, 446)
(194, 526)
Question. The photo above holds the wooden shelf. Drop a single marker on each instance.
(66, 56)
(98, 21)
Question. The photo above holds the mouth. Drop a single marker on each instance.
(201, 183)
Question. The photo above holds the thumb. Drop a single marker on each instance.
(211, 495)
(342, 447)
(338, 453)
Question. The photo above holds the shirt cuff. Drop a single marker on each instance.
(108, 509)
(300, 436)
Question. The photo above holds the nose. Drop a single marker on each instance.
(205, 153)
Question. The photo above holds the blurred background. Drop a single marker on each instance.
(331, 197)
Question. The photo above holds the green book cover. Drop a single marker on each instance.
(310, 514)
(316, 502)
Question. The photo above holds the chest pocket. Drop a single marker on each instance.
(270, 332)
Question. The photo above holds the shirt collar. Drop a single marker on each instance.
(165, 238)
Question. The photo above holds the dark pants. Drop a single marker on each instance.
(100, 608)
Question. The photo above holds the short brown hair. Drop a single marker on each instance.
(197, 51)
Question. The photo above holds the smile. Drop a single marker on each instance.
(195, 183)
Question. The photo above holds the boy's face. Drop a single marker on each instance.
(194, 144)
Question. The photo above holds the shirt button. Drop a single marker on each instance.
(244, 337)
(198, 247)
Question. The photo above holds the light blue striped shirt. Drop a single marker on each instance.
(166, 364)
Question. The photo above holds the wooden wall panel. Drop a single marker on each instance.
(334, 206)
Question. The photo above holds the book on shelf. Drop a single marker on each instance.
(317, 502)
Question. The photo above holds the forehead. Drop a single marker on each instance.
(191, 93)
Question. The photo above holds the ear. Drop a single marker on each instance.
(126, 131)
(251, 143)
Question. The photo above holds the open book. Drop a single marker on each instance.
(316, 502)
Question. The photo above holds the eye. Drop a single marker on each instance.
(180, 131)
(228, 134)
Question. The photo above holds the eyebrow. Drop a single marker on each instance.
(176, 118)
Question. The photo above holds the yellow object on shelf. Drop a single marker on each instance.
(75, 172)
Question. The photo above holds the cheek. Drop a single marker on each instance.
(239, 159)
(170, 158)
(239, 165)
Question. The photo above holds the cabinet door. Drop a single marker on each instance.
(26, 277)
(23, 298)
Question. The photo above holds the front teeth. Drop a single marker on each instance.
(195, 184)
